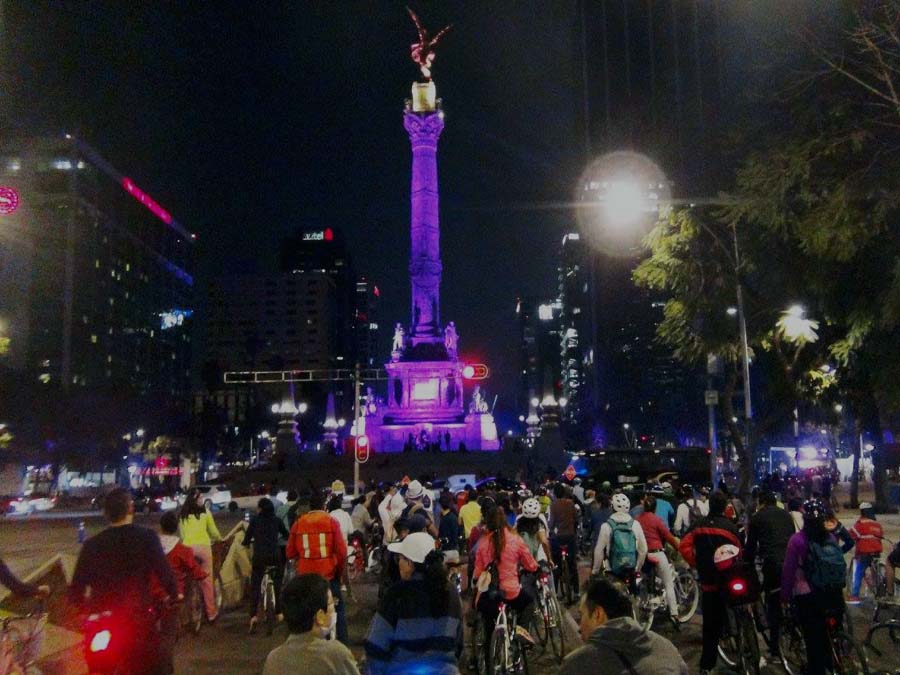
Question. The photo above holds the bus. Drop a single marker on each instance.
(628, 466)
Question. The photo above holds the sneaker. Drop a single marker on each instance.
(853, 600)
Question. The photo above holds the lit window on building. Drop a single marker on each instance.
(93, 339)
(44, 378)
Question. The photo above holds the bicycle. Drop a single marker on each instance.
(195, 607)
(738, 646)
(565, 582)
(266, 604)
(549, 625)
(791, 645)
(848, 657)
(651, 596)
(356, 557)
(506, 653)
(21, 638)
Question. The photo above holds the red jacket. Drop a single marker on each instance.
(867, 534)
(181, 560)
(655, 531)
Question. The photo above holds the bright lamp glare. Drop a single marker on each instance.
(100, 641)
(468, 371)
(303, 407)
(624, 202)
(276, 408)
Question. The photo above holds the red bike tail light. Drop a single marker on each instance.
(545, 578)
(100, 641)
(738, 586)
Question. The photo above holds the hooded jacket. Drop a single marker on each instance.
(621, 646)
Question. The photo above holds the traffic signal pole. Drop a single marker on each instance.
(356, 436)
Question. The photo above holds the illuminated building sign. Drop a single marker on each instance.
(323, 235)
(174, 317)
(146, 200)
(9, 200)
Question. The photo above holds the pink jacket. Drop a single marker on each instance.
(515, 552)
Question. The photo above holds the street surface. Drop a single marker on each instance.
(226, 646)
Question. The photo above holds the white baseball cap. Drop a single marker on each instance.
(416, 546)
(414, 490)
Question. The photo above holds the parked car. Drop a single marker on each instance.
(152, 500)
(33, 503)
(215, 496)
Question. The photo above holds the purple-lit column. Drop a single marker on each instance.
(424, 129)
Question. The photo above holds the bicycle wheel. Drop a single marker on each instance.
(269, 604)
(498, 654)
(195, 613)
(729, 647)
(847, 656)
(748, 645)
(565, 584)
(542, 618)
(477, 656)
(218, 593)
(687, 593)
(518, 659)
(643, 611)
(792, 648)
(557, 629)
(354, 564)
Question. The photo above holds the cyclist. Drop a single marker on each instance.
(690, 510)
(317, 544)
(867, 533)
(335, 510)
(360, 518)
(768, 534)
(813, 577)
(563, 516)
(533, 530)
(698, 548)
(198, 531)
(20, 588)
(621, 542)
(417, 627)
(283, 514)
(417, 513)
(890, 564)
(613, 638)
(115, 571)
(470, 513)
(657, 535)
(503, 548)
(448, 529)
(264, 532)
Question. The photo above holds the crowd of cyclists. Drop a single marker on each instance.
(502, 542)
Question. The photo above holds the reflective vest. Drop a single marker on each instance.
(312, 543)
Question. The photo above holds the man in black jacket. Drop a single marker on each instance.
(263, 532)
(117, 567)
(698, 547)
(768, 533)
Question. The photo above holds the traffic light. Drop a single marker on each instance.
(362, 449)
(475, 371)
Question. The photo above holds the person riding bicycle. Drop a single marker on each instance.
(562, 525)
(698, 548)
(657, 535)
(533, 531)
(417, 627)
(264, 532)
(504, 551)
(318, 545)
(891, 563)
(115, 572)
(448, 529)
(417, 514)
(813, 577)
(691, 510)
(621, 544)
(868, 535)
(768, 534)
(199, 531)
(614, 639)
(360, 518)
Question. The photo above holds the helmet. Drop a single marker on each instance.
(867, 509)
(531, 508)
(666, 486)
(814, 512)
(577, 481)
(656, 489)
(621, 503)
(606, 486)
(725, 556)
(337, 487)
(687, 491)
(525, 494)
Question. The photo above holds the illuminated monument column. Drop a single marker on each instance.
(425, 403)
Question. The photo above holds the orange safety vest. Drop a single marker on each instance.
(312, 543)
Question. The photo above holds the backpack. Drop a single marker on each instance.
(622, 546)
(694, 512)
(824, 566)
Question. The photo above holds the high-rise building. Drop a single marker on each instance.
(576, 332)
(539, 349)
(368, 349)
(96, 286)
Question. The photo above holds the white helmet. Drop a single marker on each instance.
(725, 556)
(531, 508)
(621, 503)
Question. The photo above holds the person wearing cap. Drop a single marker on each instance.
(417, 515)
(868, 535)
(417, 627)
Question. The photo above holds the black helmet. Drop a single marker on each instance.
(814, 512)
(687, 490)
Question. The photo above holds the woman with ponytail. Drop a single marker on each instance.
(417, 627)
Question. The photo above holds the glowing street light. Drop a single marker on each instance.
(276, 408)
(535, 401)
(624, 203)
(302, 408)
(794, 325)
(838, 408)
(731, 311)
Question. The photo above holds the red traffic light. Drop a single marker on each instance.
(475, 371)
(362, 449)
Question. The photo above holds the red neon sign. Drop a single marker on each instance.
(146, 200)
(9, 200)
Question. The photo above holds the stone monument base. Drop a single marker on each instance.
(475, 432)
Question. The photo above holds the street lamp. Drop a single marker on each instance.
(302, 408)
(800, 330)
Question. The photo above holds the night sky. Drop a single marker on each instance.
(249, 120)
